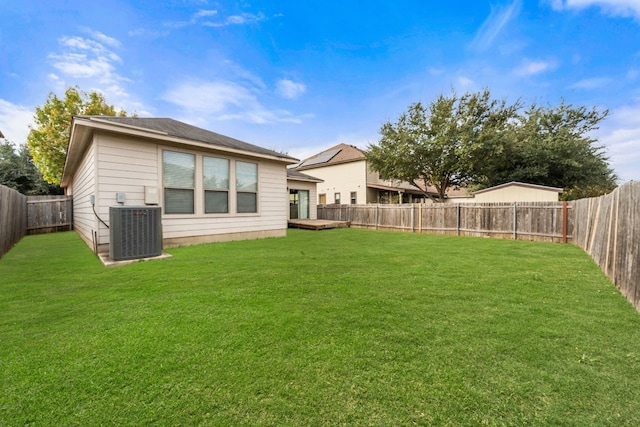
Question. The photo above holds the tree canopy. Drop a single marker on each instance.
(442, 145)
(18, 171)
(476, 141)
(49, 137)
(554, 146)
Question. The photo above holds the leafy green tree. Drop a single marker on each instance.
(443, 145)
(49, 138)
(555, 146)
(18, 171)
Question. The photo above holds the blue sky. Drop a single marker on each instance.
(302, 76)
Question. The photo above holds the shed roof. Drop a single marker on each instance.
(519, 184)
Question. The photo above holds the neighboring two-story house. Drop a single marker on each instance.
(346, 179)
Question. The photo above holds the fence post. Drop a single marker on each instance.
(458, 219)
(413, 218)
(377, 215)
(564, 222)
(515, 221)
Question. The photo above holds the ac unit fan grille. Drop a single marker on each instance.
(135, 232)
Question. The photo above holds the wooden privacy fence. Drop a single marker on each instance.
(48, 214)
(13, 218)
(20, 215)
(608, 228)
(543, 221)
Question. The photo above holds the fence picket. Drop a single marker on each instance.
(530, 221)
(13, 218)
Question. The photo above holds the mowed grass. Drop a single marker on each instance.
(337, 327)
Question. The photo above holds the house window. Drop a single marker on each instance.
(178, 178)
(336, 198)
(322, 199)
(354, 197)
(247, 187)
(215, 173)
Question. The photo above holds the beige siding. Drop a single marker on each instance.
(83, 186)
(125, 165)
(516, 193)
(116, 164)
(313, 195)
(272, 213)
(342, 178)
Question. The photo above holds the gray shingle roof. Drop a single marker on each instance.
(299, 176)
(183, 130)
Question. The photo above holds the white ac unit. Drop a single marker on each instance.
(135, 232)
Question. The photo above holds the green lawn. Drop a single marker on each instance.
(337, 327)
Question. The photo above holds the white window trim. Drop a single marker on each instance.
(199, 185)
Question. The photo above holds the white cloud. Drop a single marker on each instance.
(620, 133)
(202, 17)
(210, 97)
(494, 24)
(226, 100)
(590, 84)
(85, 58)
(237, 72)
(101, 37)
(290, 89)
(203, 13)
(143, 32)
(530, 67)
(90, 61)
(464, 82)
(243, 19)
(609, 7)
(15, 121)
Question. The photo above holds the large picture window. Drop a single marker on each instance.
(247, 187)
(178, 178)
(216, 184)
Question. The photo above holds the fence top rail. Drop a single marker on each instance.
(66, 199)
(540, 205)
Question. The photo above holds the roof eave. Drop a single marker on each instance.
(83, 127)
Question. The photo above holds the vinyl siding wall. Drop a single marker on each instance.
(83, 186)
(114, 164)
(342, 178)
(271, 215)
(124, 166)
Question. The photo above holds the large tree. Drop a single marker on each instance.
(555, 146)
(18, 171)
(49, 137)
(445, 144)
(479, 142)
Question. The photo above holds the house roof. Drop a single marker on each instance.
(341, 153)
(168, 131)
(179, 129)
(519, 184)
(295, 175)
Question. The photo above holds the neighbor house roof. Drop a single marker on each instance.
(519, 184)
(341, 153)
(294, 175)
(168, 131)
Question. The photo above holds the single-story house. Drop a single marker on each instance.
(516, 192)
(210, 187)
(302, 195)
